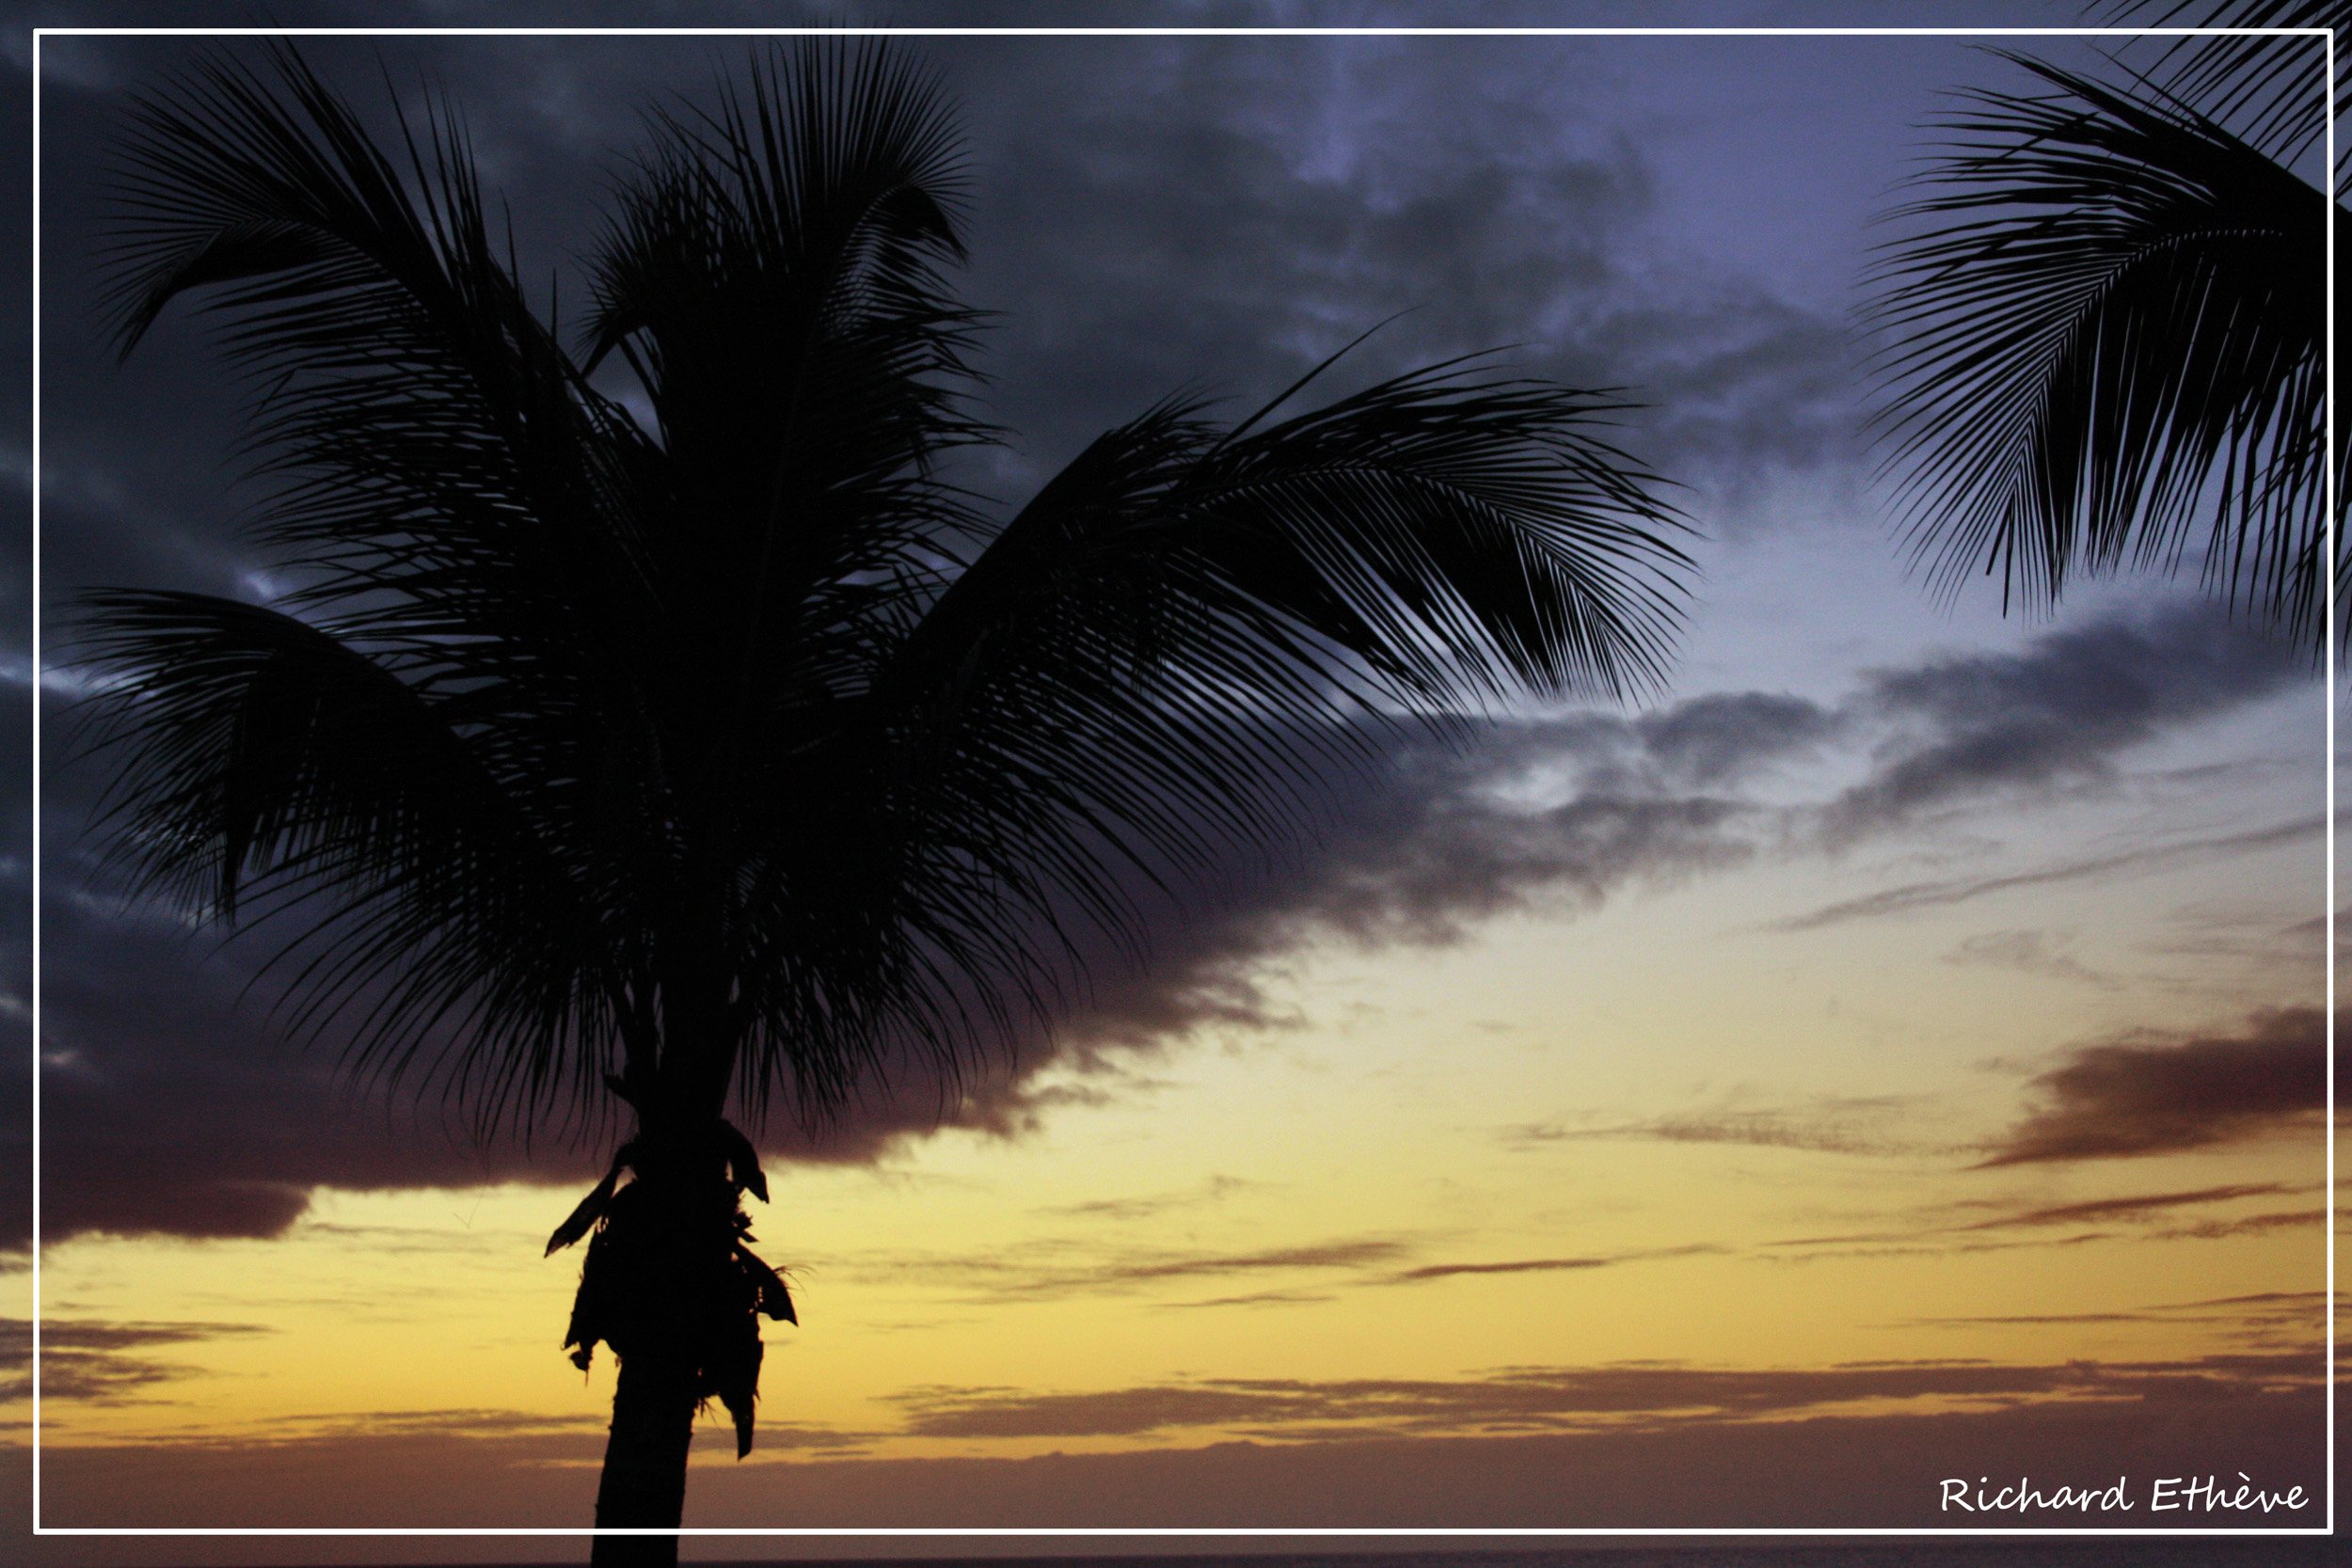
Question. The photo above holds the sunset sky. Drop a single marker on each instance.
(1893, 1053)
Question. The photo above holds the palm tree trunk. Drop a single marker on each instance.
(661, 1259)
(645, 1462)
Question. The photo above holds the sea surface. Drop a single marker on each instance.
(2111, 1552)
(2180, 1552)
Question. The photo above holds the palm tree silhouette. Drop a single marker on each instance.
(2102, 335)
(650, 719)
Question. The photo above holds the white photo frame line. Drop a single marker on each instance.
(2329, 487)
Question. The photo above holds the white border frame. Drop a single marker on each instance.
(1271, 31)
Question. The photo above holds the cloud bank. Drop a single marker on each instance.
(167, 1110)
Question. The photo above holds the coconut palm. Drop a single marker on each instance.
(2102, 331)
(650, 721)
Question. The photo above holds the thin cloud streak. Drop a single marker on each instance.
(1550, 1266)
(1932, 894)
(1846, 1124)
(2114, 1208)
(1055, 1270)
(90, 1362)
(2150, 1208)
(1563, 1399)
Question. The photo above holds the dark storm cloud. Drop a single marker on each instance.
(1722, 738)
(1225, 213)
(1210, 213)
(1213, 213)
(137, 1022)
(1738, 382)
(1195, 188)
(2055, 716)
(1564, 814)
(2162, 1095)
(1456, 863)
(171, 1105)
(1556, 815)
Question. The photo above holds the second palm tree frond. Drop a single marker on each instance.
(2102, 345)
(2272, 88)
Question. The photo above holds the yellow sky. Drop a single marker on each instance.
(1661, 1132)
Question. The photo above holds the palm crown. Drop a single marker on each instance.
(651, 711)
(632, 740)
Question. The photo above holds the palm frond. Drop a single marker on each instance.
(2272, 90)
(1181, 646)
(449, 497)
(2100, 338)
(271, 773)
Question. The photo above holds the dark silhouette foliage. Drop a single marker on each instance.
(655, 722)
(2102, 331)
